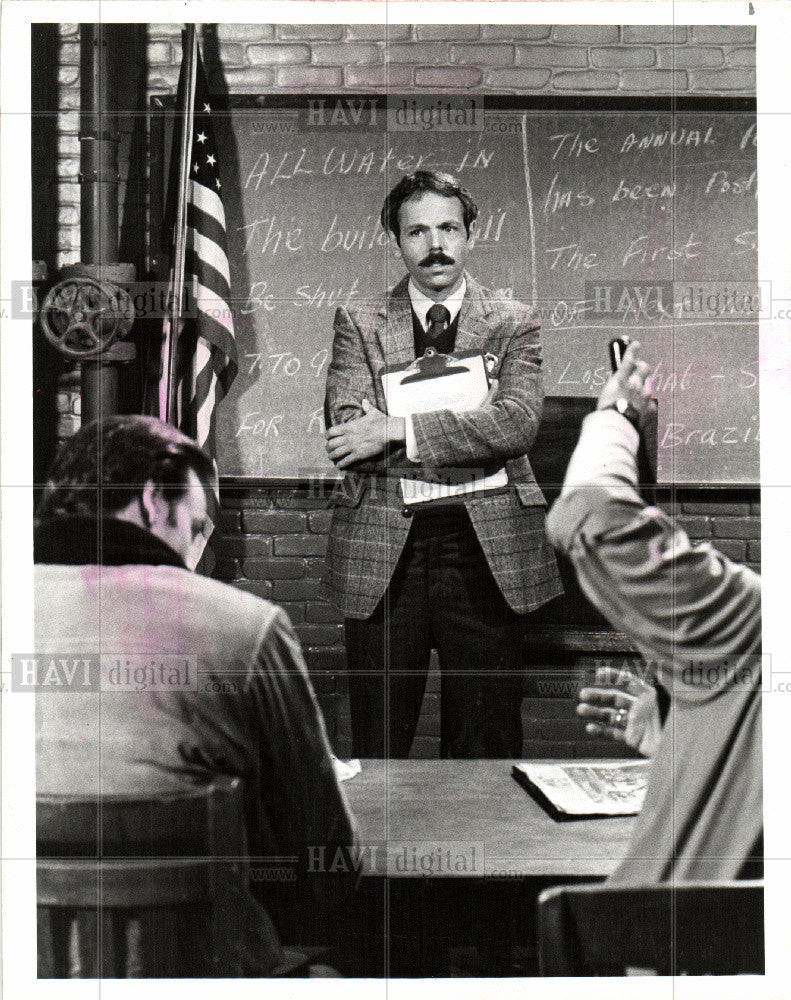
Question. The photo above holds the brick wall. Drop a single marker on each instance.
(271, 541)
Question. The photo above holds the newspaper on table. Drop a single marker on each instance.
(571, 791)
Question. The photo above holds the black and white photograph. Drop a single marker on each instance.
(394, 401)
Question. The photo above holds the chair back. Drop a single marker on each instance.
(130, 887)
(692, 928)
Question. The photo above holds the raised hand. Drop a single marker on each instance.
(622, 707)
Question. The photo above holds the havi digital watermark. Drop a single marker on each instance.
(70, 673)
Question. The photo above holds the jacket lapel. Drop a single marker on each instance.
(395, 333)
(474, 327)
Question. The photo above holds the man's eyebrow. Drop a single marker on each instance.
(425, 225)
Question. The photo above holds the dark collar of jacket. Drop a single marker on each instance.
(83, 541)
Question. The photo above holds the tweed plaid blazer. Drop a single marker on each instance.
(369, 526)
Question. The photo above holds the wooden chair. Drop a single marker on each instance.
(692, 928)
(130, 887)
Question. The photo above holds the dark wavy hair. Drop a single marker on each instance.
(104, 467)
(419, 182)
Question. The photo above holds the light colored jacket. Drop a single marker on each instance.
(250, 711)
(696, 618)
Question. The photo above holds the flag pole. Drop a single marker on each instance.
(186, 111)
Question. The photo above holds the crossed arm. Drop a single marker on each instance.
(362, 437)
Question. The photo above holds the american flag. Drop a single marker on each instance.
(204, 359)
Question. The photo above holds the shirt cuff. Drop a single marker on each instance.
(412, 452)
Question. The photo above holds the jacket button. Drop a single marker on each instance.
(407, 512)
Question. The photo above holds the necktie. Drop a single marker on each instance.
(438, 318)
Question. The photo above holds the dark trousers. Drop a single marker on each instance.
(442, 596)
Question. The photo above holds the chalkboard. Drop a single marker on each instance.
(610, 216)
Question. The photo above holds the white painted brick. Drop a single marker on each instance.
(378, 76)
(483, 55)
(586, 34)
(741, 57)
(68, 76)
(245, 32)
(460, 77)
(378, 32)
(346, 53)
(159, 52)
(68, 215)
(68, 168)
(318, 32)
(622, 57)
(248, 78)
(277, 55)
(518, 79)
(689, 56)
(165, 30)
(653, 33)
(446, 32)
(422, 53)
(586, 81)
(552, 56)
(517, 31)
(663, 81)
(68, 145)
(69, 54)
(724, 33)
(724, 80)
(68, 121)
(309, 77)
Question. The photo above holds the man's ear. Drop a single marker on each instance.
(150, 500)
(473, 231)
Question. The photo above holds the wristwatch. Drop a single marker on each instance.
(625, 408)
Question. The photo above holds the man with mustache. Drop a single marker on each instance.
(456, 574)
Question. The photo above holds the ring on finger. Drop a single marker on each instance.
(619, 719)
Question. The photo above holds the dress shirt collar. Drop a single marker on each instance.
(422, 303)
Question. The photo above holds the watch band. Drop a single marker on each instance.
(625, 408)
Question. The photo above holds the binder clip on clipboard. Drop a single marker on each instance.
(455, 382)
(434, 365)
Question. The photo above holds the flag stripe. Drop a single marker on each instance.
(207, 237)
(208, 277)
(204, 389)
(207, 223)
(215, 318)
(207, 201)
(207, 414)
(208, 372)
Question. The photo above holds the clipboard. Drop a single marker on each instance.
(455, 382)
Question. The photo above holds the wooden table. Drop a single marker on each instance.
(420, 803)
(486, 904)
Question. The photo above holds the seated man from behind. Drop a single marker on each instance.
(122, 523)
(695, 616)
